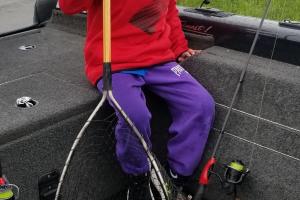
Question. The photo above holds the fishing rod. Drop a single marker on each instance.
(107, 94)
(205, 173)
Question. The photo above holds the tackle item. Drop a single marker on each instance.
(235, 172)
(6, 189)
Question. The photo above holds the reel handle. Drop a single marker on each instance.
(107, 80)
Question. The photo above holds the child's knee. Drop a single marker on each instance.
(140, 117)
(204, 105)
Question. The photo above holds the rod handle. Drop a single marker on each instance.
(107, 80)
(106, 31)
(199, 193)
(204, 176)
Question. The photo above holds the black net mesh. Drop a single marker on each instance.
(173, 192)
(94, 172)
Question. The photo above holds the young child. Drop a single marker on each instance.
(147, 40)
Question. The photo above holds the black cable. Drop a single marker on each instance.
(235, 193)
(217, 175)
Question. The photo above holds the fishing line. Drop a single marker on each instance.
(242, 76)
(265, 84)
(297, 131)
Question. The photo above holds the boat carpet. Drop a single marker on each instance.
(263, 130)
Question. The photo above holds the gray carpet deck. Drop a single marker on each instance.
(264, 129)
(52, 74)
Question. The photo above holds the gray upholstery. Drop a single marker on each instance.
(264, 129)
(43, 10)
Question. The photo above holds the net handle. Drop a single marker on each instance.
(106, 31)
(107, 82)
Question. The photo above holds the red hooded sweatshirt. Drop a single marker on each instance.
(144, 33)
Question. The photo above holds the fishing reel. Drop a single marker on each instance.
(8, 191)
(235, 173)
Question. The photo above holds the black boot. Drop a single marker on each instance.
(184, 183)
(139, 188)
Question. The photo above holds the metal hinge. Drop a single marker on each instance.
(48, 185)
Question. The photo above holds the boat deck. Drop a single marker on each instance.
(264, 130)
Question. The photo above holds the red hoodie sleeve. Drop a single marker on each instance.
(179, 43)
(74, 6)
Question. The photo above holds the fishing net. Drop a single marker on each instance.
(94, 172)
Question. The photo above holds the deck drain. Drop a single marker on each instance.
(27, 47)
(25, 102)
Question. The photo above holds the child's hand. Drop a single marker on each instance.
(187, 54)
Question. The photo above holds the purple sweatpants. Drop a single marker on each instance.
(191, 106)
